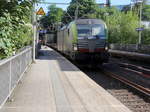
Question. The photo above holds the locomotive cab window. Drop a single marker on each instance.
(98, 31)
(83, 30)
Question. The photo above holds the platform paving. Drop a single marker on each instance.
(53, 84)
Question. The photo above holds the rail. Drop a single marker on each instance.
(143, 90)
(11, 71)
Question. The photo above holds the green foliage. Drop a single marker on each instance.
(6, 47)
(126, 8)
(55, 13)
(102, 13)
(85, 7)
(146, 36)
(146, 13)
(74, 31)
(54, 16)
(121, 25)
(15, 33)
(136, 9)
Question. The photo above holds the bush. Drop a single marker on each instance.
(15, 33)
(146, 36)
(122, 27)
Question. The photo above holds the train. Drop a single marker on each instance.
(84, 40)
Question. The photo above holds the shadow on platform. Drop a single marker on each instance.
(52, 55)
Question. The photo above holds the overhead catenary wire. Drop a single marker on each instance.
(56, 3)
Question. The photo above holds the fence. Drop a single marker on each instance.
(131, 48)
(11, 71)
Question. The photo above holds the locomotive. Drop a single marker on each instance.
(84, 40)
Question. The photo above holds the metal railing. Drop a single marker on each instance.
(11, 71)
(131, 48)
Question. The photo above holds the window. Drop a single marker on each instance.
(98, 30)
(83, 30)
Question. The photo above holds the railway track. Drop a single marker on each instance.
(121, 91)
(120, 81)
(137, 69)
(145, 91)
(134, 75)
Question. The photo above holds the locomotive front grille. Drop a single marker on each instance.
(100, 44)
(82, 43)
(90, 45)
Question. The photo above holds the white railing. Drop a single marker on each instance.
(11, 71)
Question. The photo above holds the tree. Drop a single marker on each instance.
(145, 9)
(54, 16)
(121, 26)
(146, 36)
(82, 7)
(102, 13)
(126, 8)
(146, 13)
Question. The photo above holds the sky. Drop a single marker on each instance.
(113, 2)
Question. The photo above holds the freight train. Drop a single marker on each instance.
(84, 40)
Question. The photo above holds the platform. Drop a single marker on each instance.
(53, 84)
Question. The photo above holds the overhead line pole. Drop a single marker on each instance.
(140, 24)
(77, 11)
(34, 22)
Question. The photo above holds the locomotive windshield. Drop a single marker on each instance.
(98, 31)
(91, 30)
(83, 30)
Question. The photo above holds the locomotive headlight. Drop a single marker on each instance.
(106, 48)
(75, 47)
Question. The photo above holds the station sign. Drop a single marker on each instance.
(40, 12)
(139, 29)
